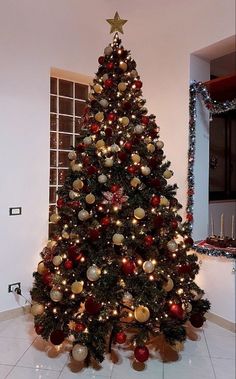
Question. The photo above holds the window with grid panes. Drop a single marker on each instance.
(67, 103)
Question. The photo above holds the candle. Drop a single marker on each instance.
(222, 226)
(232, 228)
(212, 226)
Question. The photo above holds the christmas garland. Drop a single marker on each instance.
(199, 90)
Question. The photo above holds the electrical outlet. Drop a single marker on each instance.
(14, 287)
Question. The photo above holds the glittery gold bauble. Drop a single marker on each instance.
(37, 309)
(100, 144)
(151, 148)
(97, 88)
(123, 66)
(78, 184)
(65, 235)
(72, 155)
(77, 287)
(99, 116)
(57, 260)
(76, 167)
(118, 239)
(141, 313)
(41, 268)
(168, 174)
(172, 246)
(79, 352)
(164, 201)
(139, 213)
(55, 218)
(169, 285)
(135, 182)
(135, 158)
(122, 86)
(160, 144)
(145, 170)
(125, 121)
(56, 295)
(133, 73)
(83, 215)
(108, 162)
(90, 198)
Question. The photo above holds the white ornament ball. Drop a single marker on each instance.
(122, 86)
(160, 144)
(135, 182)
(97, 88)
(145, 170)
(172, 246)
(90, 198)
(76, 167)
(79, 352)
(87, 140)
(148, 267)
(56, 295)
(133, 73)
(83, 215)
(108, 50)
(139, 213)
(78, 184)
(151, 148)
(99, 116)
(105, 77)
(102, 178)
(125, 121)
(118, 239)
(135, 158)
(93, 273)
(57, 260)
(127, 298)
(114, 148)
(73, 194)
(72, 155)
(41, 268)
(77, 287)
(138, 129)
(123, 66)
(37, 309)
(108, 162)
(168, 174)
(104, 103)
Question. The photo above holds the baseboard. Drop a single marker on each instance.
(226, 324)
(12, 313)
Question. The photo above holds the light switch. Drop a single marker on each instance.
(15, 211)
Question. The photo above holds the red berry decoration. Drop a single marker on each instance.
(128, 146)
(73, 204)
(57, 337)
(197, 320)
(80, 327)
(110, 65)
(91, 306)
(188, 241)
(122, 156)
(68, 264)
(94, 234)
(148, 240)
(112, 117)
(101, 60)
(94, 128)
(47, 279)
(155, 200)
(39, 329)
(72, 252)
(128, 267)
(189, 217)
(144, 120)
(141, 353)
(60, 202)
(105, 221)
(177, 311)
(120, 337)
(138, 84)
(108, 83)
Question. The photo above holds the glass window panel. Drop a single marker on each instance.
(53, 104)
(66, 124)
(63, 159)
(217, 155)
(65, 106)
(53, 85)
(52, 229)
(53, 159)
(52, 195)
(53, 121)
(79, 108)
(53, 140)
(65, 88)
(81, 91)
(78, 125)
(233, 154)
(65, 141)
(62, 176)
(53, 177)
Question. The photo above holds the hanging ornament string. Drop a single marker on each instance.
(199, 90)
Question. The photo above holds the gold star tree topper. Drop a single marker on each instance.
(116, 23)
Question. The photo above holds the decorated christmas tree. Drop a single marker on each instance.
(119, 258)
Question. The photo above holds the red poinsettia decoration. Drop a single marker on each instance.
(116, 198)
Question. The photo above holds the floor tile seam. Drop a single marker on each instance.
(213, 368)
(9, 372)
(24, 353)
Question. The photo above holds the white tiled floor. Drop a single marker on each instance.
(209, 354)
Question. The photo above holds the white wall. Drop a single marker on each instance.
(70, 34)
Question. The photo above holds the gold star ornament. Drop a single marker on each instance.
(116, 23)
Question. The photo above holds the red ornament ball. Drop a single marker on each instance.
(91, 170)
(189, 217)
(126, 105)
(188, 241)
(115, 188)
(91, 306)
(174, 224)
(105, 221)
(122, 156)
(133, 169)
(155, 200)
(110, 65)
(47, 278)
(141, 353)
(128, 146)
(158, 221)
(185, 269)
(57, 337)
(72, 252)
(108, 83)
(94, 128)
(144, 120)
(177, 311)
(80, 327)
(128, 267)
(39, 329)
(197, 320)
(111, 116)
(68, 264)
(73, 204)
(138, 84)
(148, 240)
(101, 60)
(60, 202)
(94, 234)
(120, 337)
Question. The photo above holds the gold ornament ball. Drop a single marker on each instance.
(56, 295)
(78, 184)
(57, 260)
(99, 116)
(151, 148)
(65, 235)
(125, 121)
(135, 158)
(90, 198)
(169, 285)
(164, 201)
(79, 352)
(97, 88)
(145, 170)
(118, 239)
(133, 73)
(55, 218)
(102, 178)
(100, 144)
(51, 244)
(123, 66)
(168, 174)
(87, 141)
(135, 182)
(122, 86)
(83, 215)
(160, 144)
(108, 162)
(138, 129)
(76, 167)
(72, 155)
(41, 268)
(141, 313)
(139, 213)
(148, 267)
(104, 103)
(77, 287)
(73, 194)
(37, 309)
(172, 246)
(93, 273)
(108, 50)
